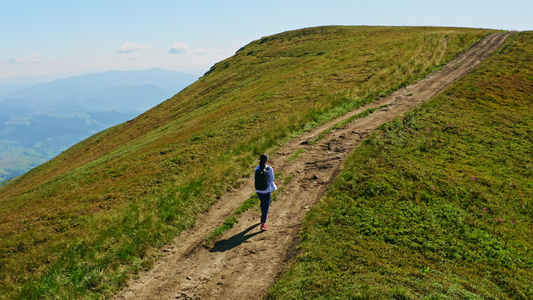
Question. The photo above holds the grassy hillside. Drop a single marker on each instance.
(81, 224)
(436, 205)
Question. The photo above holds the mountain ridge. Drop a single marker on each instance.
(131, 188)
(68, 87)
(309, 163)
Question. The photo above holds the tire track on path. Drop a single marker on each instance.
(244, 263)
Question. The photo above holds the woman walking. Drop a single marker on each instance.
(264, 186)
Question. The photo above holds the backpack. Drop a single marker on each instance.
(261, 179)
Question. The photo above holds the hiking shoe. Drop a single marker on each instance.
(263, 227)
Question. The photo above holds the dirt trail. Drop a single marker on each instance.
(244, 263)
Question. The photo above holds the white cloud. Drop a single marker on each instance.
(178, 48)
(31, 59)
(132, 47)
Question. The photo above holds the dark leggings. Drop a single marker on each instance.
(265, 204)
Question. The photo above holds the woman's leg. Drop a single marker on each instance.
(265, 205)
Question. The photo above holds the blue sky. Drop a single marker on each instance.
(85, 36)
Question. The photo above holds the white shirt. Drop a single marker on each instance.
(271, 184)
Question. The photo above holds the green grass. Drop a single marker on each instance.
(296, 154)
(80, 225)
(435, 205)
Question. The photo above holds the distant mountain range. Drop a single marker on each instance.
(37, 122)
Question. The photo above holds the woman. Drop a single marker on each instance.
(264, 186)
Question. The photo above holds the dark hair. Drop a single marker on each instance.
(262, 160)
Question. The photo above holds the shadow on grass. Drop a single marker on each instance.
(234, 241)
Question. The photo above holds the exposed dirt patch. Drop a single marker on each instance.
(244, 262)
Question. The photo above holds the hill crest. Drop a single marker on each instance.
(153, 175)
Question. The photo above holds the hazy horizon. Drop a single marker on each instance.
(68, 38)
